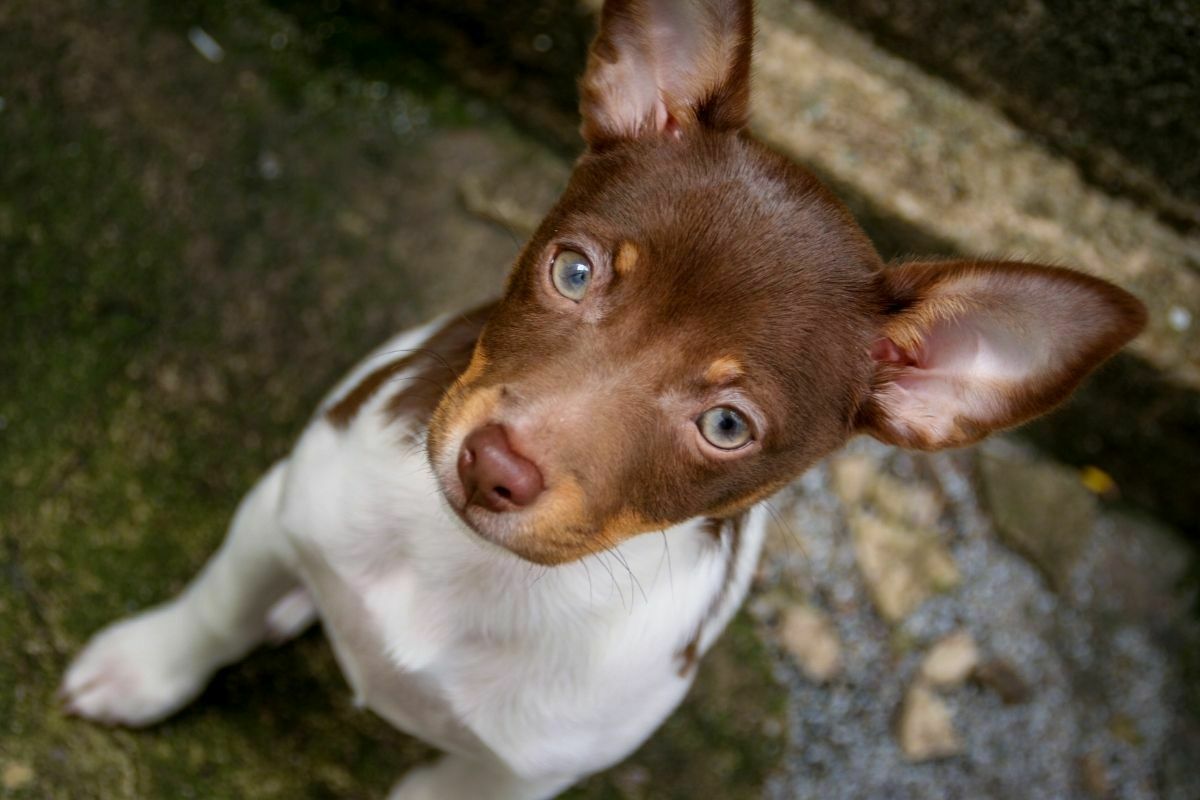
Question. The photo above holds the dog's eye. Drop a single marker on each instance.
(724, 428)
(571, 273)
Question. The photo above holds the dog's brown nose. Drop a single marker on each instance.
(494, 475)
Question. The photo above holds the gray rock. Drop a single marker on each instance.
(950, 661)
(1041, 509)
(901, 565)
(853, 474)
(925, 728)
(809, 636)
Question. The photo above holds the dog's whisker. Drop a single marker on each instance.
(791, 533)
(611, 575)
(670, 571)
(612, 548)
(588, 573)
(545, 571)
(441, 359)
(439, 385)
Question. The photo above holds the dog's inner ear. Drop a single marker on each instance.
(664, 66)
(968, 348)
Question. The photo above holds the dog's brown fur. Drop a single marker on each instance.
(722, 274)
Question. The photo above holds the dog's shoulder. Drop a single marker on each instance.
(409, 373)
(362, 453)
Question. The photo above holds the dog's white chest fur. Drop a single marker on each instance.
(468, 647)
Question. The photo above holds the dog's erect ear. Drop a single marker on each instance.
(663, 66)
(967, 348)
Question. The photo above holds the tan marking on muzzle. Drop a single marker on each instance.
(567, 512)
(467, 410)
(563, 505)
(474, 369)
(625, 525)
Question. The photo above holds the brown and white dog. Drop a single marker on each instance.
(695, 323)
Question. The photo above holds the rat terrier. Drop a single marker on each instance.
(696, 322)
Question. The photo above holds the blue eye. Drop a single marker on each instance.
(572, 273)
(724, 428)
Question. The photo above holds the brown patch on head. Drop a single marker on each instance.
(627, 258)
(721, 276)
(740, 505)
(753, 290)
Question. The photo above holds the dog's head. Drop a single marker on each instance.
(698, 320)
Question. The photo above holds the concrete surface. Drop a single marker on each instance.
(888, 134)
(1115, 84)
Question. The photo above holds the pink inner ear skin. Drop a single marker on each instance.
(888, 352)
(672, 128)
(665, 66)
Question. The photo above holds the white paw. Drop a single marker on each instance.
(455, 778)
(139, 670)
(290, 616)
(419, 783)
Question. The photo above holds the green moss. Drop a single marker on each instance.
(173, 307)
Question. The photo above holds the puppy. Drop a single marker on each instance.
(693, 324)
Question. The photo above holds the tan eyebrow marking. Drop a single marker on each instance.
(723, 370)
(627, 258)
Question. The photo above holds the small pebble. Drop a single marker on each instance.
(950, 661)
(269, 166)
(1179, 318)
(810, 638)
(925, 728)
(206, 45)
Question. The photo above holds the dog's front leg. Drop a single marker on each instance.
(142, 669)
(454, 777)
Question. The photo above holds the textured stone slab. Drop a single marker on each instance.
(911, 147)
(1041, 509)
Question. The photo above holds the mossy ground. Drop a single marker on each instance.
(190, 254)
